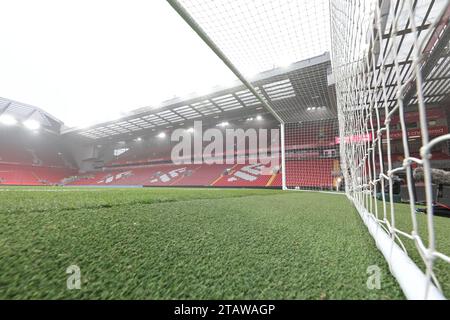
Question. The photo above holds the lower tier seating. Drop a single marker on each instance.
(219, 175)
(311, 173)
(300, 173)
(32, 175)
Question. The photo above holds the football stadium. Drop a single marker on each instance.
(314, 163)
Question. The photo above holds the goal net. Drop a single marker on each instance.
(312, 155)
(348, 80)
(388, 65)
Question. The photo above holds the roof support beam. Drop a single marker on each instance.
(432, 59)
(407, 31)
(3, 110)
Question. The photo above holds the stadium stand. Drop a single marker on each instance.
(311, 173)
(30, 148)
(31, 159)
(41, 163)
(219, 175)
(312, 152)
(247, 175)
(32, 175)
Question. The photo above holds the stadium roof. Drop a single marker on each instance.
(23, 112)
(304, 84)
(393, 56)
(435, 55)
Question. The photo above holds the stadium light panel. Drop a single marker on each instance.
(32, 124)
(223, 124)
(259, 118)
(162, 135)
(190, 130)
(8, 120)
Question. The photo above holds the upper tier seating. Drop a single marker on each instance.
(32, 158)
(21, 147)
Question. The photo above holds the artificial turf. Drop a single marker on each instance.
(188, 244)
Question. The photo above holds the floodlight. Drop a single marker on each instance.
(223, 124)
(259, 118)
(190, 130)
(162, 135)
(32, 124)
(7, 120)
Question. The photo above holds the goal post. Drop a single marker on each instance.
(179, 8)
(347, 76)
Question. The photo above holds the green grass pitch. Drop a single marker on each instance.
(192, 244)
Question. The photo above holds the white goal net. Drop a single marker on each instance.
(359, 88)
(390, 69)
(312, 155)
